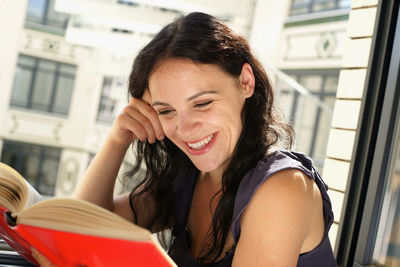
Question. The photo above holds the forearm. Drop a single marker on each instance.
(97, 184)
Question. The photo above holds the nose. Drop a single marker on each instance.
(187, 126)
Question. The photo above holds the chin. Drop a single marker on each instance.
(205, 166)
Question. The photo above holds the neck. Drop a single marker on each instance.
(213, 179)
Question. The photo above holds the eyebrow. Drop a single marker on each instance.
(158, 103)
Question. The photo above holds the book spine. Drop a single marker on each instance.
(11, 236)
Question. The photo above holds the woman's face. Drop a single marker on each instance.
(199, 107)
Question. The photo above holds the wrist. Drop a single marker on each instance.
(115, 144)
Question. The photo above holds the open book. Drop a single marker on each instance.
(71, 232)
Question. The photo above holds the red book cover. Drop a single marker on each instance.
(71, 232)
(72, 249)
(67, 249)
(13, 238)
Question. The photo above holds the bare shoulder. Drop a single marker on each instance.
(286, 194)
(287, 183)
(277, 220)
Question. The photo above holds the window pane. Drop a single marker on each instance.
(285, 104)
(43, 87)
(310, 6)
(37, 164)
(331, 83)
(107, 102)
(52, 81)
(310, 121)
(345, 3)
(63, 95)
(320, 5)
(304, 124)
(67, 69)
(26, 61)
(311, 82)
(300, 7)
(30, 163)
(48, 174)
(387, 246)
(36, 10)
(55, 18)
(22, 83)
(323, 128)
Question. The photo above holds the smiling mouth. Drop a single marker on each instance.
(199, 145)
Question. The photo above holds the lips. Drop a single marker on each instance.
(201, 146)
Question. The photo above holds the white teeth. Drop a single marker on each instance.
(202, 143)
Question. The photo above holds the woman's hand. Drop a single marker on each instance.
(138, 120)
(43, 261)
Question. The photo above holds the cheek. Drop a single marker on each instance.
(168, 128)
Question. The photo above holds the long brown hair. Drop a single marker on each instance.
(204, 39)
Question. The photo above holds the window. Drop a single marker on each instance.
(311, 123)
(369, 234)
(37, 164)
(310, 6)
(387, 246)
(43, 85)
(41, 13)
(112, 98)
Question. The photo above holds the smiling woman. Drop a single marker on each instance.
(219, 172)
(201, 109)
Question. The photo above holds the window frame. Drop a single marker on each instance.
(382, 160)
(372, 152)
(21, 150)
(57, 74)
(321, 94)
(43, 23)
(311, 4)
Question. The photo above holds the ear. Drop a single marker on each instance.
(247, 80)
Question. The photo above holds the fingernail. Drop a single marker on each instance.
(34, 252)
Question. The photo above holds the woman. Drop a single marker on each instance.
(203, 122)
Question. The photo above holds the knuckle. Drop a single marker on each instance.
(126, 109)
(147, 123)
(121, 116)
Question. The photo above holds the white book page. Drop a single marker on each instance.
(33, 196)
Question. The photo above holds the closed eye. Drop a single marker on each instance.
(164, 112)
(203, 104)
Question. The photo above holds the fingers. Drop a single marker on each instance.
(151, 116)
(139, 124)
(43, 261)
(138, 120)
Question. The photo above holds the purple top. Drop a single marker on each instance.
(321, 255)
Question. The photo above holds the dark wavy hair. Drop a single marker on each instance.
(206, 40)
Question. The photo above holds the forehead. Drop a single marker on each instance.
(184, 74)
(175, 68)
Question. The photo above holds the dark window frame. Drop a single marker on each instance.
(372, 152)
(310, 5)
(57, 74)
(23, 149)
(45, 23)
